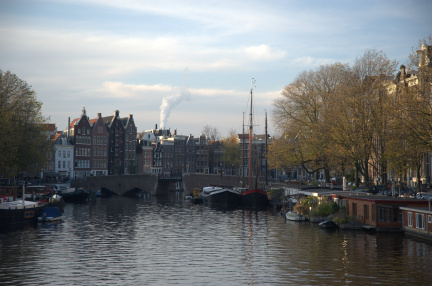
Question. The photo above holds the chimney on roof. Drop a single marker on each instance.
(116, 113)
(68, 128)
(99, 114)
(156, 126)
(130, 116)
(175, 132)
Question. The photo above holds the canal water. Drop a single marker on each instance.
(128, 241)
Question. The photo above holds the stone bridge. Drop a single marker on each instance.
(156, 185)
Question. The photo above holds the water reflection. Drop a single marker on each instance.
(162, 241)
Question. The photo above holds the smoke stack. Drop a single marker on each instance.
(168, 102)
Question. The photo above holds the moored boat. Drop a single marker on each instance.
(220, 196)
(328, 224)
(16, 214)
(50, 214)
(254, 198)
(77, 196)
(294, 216)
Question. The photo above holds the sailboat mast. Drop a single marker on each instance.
(266, 150)
(243, 150)
(250, 134)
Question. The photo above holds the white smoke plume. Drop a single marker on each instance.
(168, 102)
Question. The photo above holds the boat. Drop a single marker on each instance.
(220, 196)
(15, 214)
(294, 216)
(50, 214)
(253, 198)
(328, 224)
(76, 196)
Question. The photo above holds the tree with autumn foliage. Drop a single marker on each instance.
(302, 113)
(232, 151)
(23, 142)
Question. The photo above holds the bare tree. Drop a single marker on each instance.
(211, 132)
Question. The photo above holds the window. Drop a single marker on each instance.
(410, 219)
(366, 211)
(420, 221)
(68, 154)
(354, 209)
(429, 218)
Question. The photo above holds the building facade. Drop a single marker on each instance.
(81, 135)
(64, 157)
(99, 149)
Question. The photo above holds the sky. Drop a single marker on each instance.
(188, 64)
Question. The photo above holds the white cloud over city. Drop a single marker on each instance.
(131, 55)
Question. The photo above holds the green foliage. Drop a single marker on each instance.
(23, 142)
(327, 208)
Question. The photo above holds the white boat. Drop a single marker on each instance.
(294, 216)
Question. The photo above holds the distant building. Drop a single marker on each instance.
(202, 155)
(145, 146)
(99, 149)
(122, 136)
(64, 157)
(81, 134)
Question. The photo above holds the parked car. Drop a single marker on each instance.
(387, 193)
(379, 188)
(363, 190)
(424, 196)
(407, 193)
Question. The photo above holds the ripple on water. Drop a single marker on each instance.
(124, 241)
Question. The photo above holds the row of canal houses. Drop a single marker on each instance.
(111, 145)
(92, 147)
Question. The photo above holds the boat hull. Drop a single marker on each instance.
(254, 199)
(16, 218)
(224, 198)
(293, 216)
(78, 196)
(50, 214)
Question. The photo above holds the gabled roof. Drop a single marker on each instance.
(51, 127)
(75, 121)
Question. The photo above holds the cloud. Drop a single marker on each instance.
(311, 62)
(264, 53)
